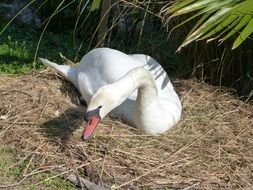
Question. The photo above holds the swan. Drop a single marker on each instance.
(133, 87)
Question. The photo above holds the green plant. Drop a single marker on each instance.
(18, 45)
(224, 25)
(216, 19)
(12, 170)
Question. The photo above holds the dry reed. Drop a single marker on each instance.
(211, 147)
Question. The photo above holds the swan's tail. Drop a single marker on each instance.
(69, 73)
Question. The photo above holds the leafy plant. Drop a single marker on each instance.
(18, 45)
(217, 19)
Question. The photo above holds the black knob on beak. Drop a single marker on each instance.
(94, 112)
(86, 117)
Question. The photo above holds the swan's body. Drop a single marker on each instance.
(110, 79)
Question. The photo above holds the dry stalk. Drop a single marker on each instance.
(211, 147)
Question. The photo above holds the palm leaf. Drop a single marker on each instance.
(226, 22)
(229, 27)
(192, 7)
(243, 21)
(220, 19)
(205, 27)
(244, 35)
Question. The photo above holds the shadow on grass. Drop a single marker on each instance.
(61, 128)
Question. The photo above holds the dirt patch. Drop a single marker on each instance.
(211, 147)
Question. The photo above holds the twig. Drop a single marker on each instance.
(68, 61)
(163, 165)
(105, 155)
(61, 172)
(81, 182)
(9, 185)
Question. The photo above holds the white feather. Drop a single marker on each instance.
(112, 78)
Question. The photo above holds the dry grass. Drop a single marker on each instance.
(211, 147)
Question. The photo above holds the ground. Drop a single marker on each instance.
(41, 122)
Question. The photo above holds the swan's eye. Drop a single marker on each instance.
(99, 107)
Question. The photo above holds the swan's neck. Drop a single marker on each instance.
(147, 91)
(148, 114)
(141, 80)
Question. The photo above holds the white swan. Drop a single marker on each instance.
(133, 87)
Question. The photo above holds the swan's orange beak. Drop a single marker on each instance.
(91, 126)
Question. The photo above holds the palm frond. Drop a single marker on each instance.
(220, 19)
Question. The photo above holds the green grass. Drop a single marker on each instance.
(5, 158)
(12, 52)
(18, 47)
(17, 50)
(6, 161)
(11, 171)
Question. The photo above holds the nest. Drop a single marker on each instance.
(210, 148)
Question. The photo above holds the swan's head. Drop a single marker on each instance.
(102, 103)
